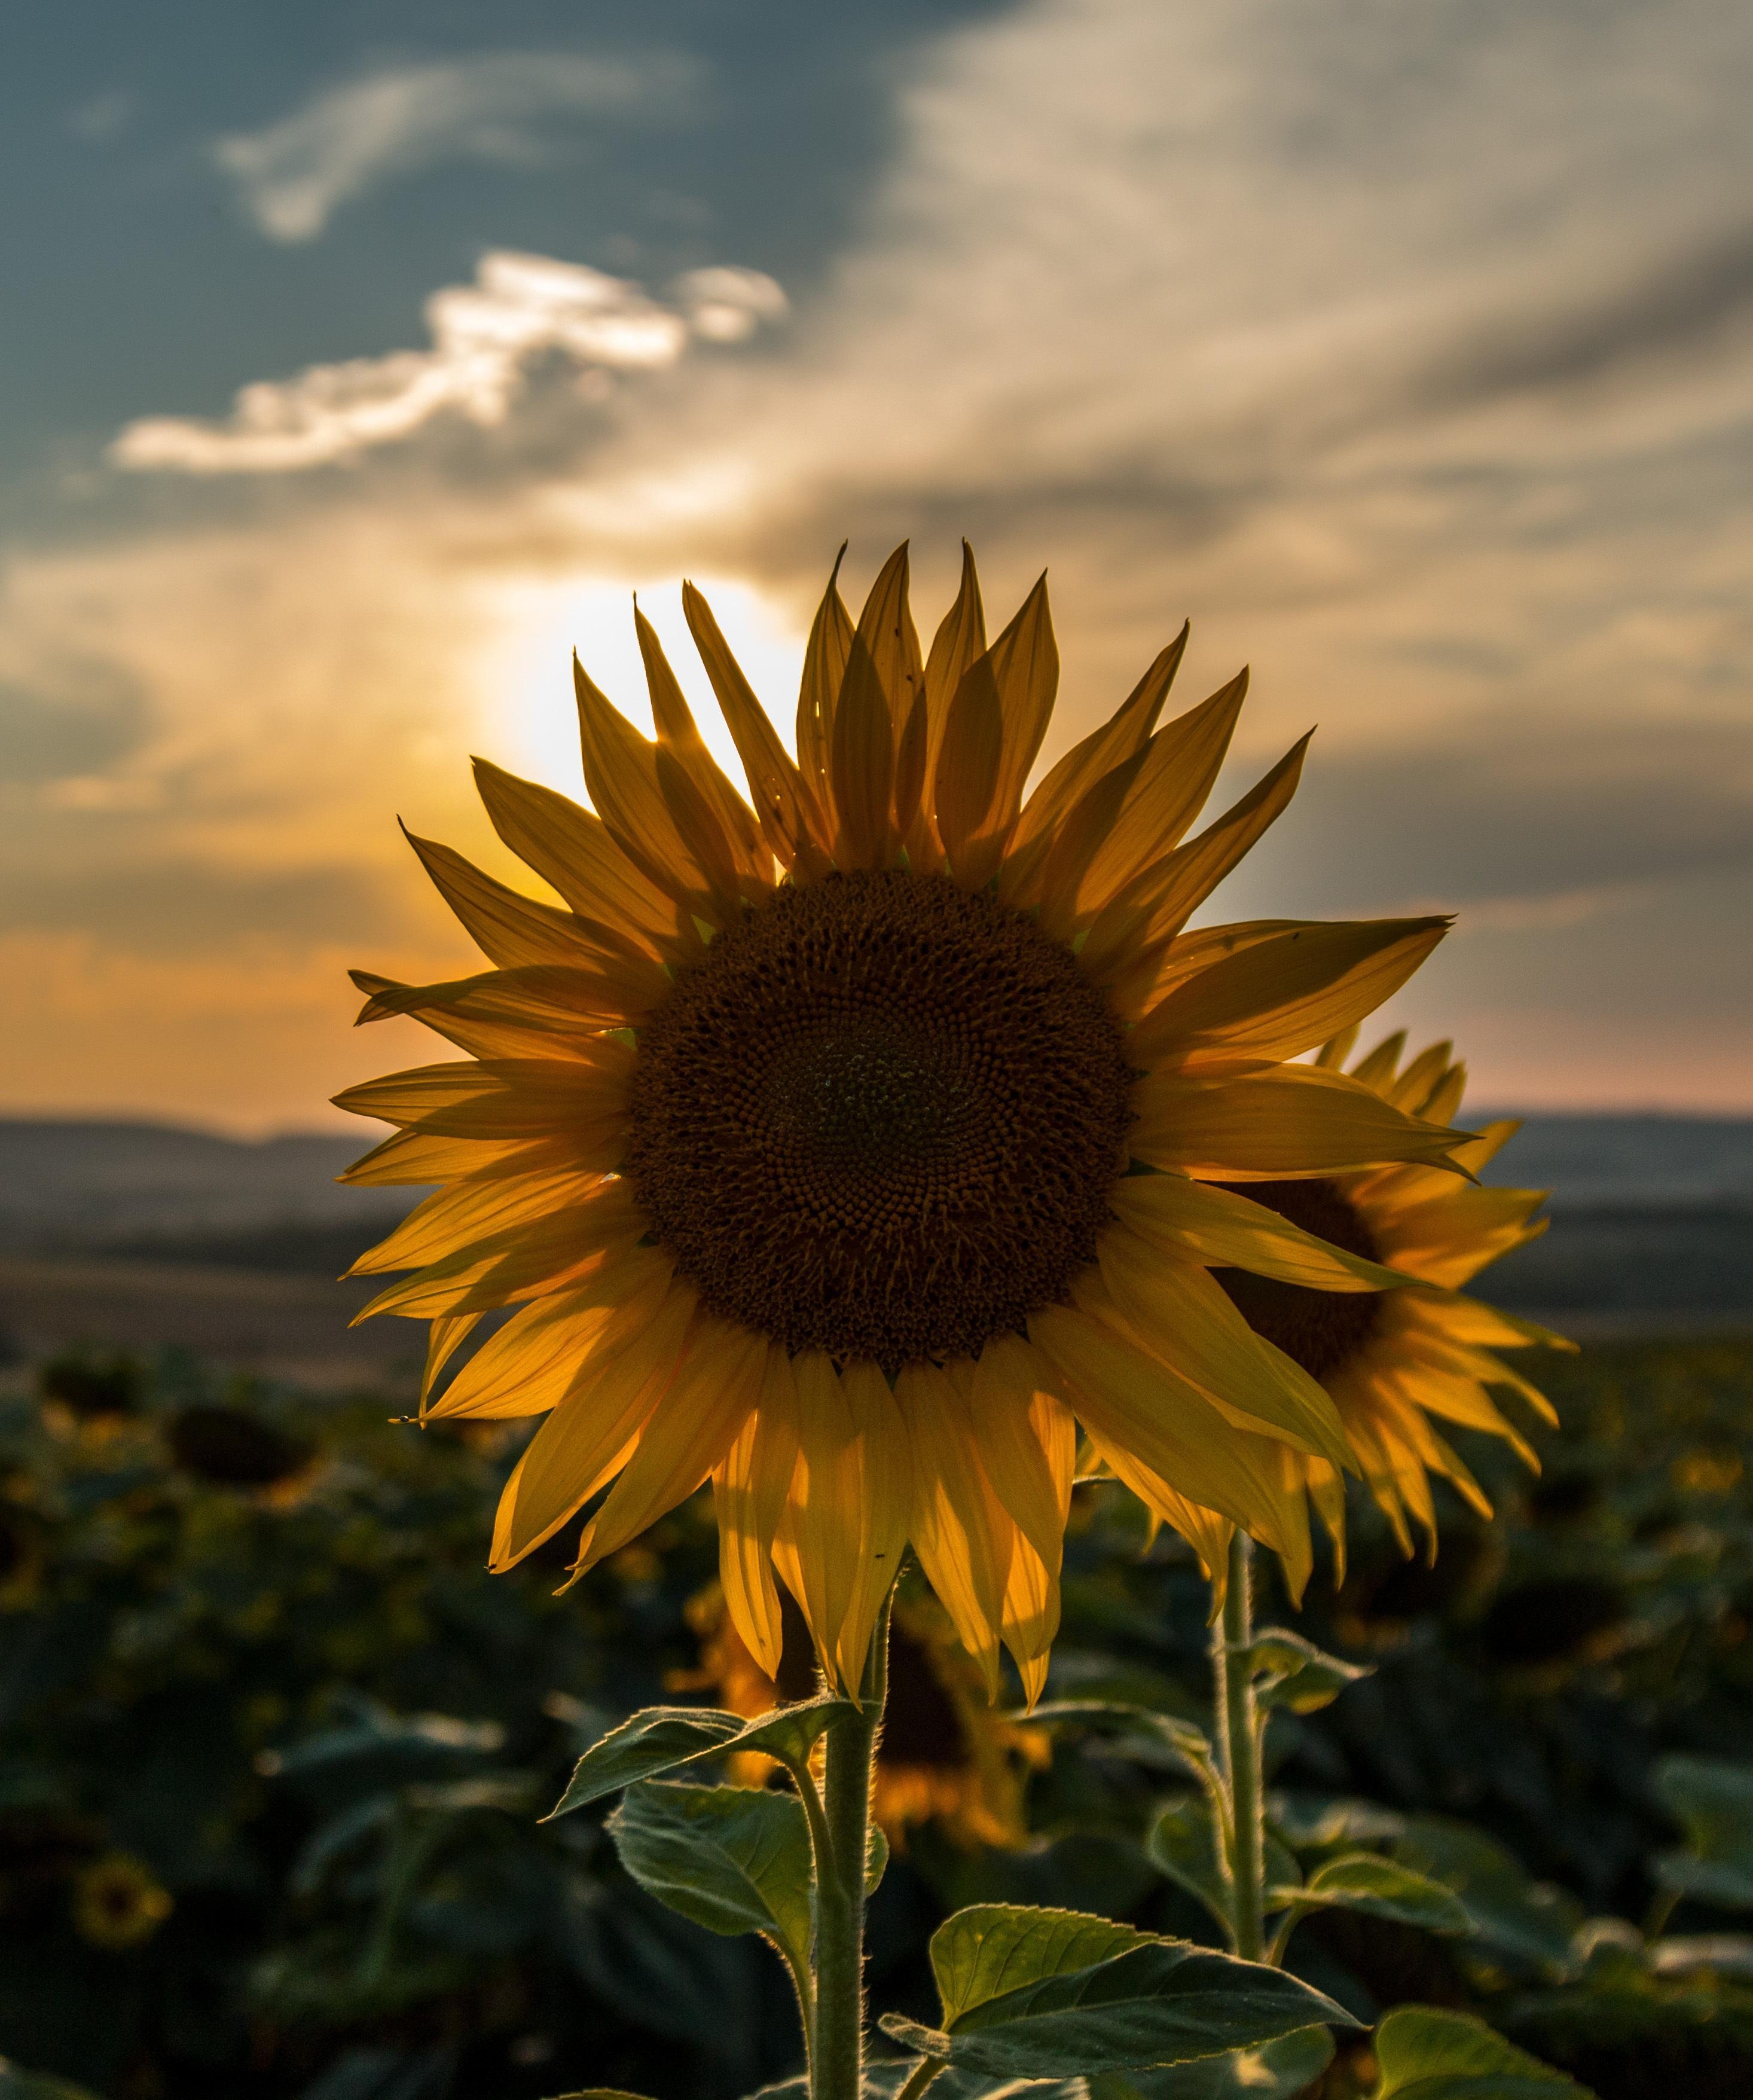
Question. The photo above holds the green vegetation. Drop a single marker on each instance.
(273, 1748)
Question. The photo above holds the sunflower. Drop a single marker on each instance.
(118, 1903)
(943, 1756)
(847, 1146)
(1395, 1362)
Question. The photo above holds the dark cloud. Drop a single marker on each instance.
(187, 907)
(1512, 807)
(83, 718)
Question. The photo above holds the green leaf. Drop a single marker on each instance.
(1526, 1919)
(1313, 1822)
(734, 1859)
(1293, 1673)
(1276, 2071)
(1379, 1888)
(989, 1949)
(1424, 2055)
(1161, 2002)
(876, 1858)
(1182, 1843)
(661, 1738)
(16, 2084)
(1186, 1744)
(1713, 1800)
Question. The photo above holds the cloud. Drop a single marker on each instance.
(485, 337)
(292, 175)
(78, 718)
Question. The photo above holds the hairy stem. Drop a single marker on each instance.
(1238, 1721)
(837, 2059)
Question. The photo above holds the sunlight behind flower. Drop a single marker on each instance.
(527, 717)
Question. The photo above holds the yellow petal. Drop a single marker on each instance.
(885, 1480)
(959, 641)
(1420, 1078)
(1176, 1219)
(824, 662)
(1178, 770)
(1133, 1405)
(997, 721)
(695, 1424)
(509, 929)
(473, 1211)
(1378, 1067)
(543, 1007)
(1185, 1320)
(443, 1339)
(573, 850)
(511, 1097)
(749, 1493)
(414, 1157)
(585, 1442)
(534, 1361)
(1283, 996)
(518, 1263)
(1157, 904)
(1126, 732)
(620, 769)
(963, 1538)
(1026, 1441)
(885, 627)
(1291, 1121)
(678, 735)
(862, 765)
(787, 805)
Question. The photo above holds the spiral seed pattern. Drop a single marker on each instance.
(1322, 1330)
(881, 1117)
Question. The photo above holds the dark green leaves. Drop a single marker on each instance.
(1275, 2070)
(1713, 1800)
(1291, 1672)
(1172, 1741)
(734, 1859)
(1051, 1994)
(1183, 1844)
(1379, 1888)
(1427, 2055)
(1526, 1919)
(661, 1738)
(990, 1948)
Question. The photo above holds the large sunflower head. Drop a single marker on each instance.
(846, 1145)
(1395, 1363)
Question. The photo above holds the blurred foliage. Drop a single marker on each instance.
(273, 1747)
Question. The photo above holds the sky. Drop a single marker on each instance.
(361, 360)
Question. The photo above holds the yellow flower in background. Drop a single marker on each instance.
(846, 1146)
(943, 1756)
(1397, 1362)
(117, 1902)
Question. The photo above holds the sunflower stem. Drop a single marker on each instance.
(837, 2059)
(1239, 1747)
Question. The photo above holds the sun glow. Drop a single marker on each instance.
(528, 722)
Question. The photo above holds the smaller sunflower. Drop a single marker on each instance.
(117, 1902)
(1396, 1362)
(944, 1758)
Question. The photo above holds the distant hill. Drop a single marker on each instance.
(67, 1184)
(1651, 1214)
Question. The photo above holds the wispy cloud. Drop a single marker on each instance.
(484, 338)
(493, 106)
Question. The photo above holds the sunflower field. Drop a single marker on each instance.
(274, 1752)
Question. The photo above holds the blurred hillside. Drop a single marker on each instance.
(135, 1235)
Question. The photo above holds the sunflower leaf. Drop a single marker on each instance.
(1159, 2002)
(1713, 1800)
(1275, 2070)
(734, 1859)
(989, 1949)
(1189, 1745)
(661, 1739)
(1425, 2055)
(1291, 1672)
(1183, 1845)
(1379, 1888)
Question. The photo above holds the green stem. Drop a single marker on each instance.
(920, 2076)
(1239, 1743)
(837, 2060)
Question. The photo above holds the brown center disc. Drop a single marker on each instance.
(1322, 1331)
(880, 1117)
